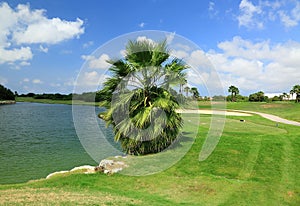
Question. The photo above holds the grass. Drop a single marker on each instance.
(50, 101)
(285, 109)
(254, 163)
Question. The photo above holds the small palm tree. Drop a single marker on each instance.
(195, 92)
(296, 90)
(187, 90)
(234, 91)
(292, 93)
(141, 105)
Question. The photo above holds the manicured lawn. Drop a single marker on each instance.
(286, 109)
(254, 163)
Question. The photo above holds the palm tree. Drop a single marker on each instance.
(187, 89)
(234, 91)
(195, 92)
(292, 93)
(296, 90)
(284, 95)
(182, 82)
(141, 105)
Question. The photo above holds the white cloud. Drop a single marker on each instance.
(97, 63)
(145, 39)
(89, 81)
(24, 63)
(88, 44)
(212, 10)
(179, 54)
(211, 6)
(50, 31)
(198, 59)
(23, 25)
(258, 65)
(123, 52)
(37, 81)
(43, 49)
(15, 54)
(286, 19)
(256, 16)
(142, 24)
(170, 37)
(26, 80)
(248, 12)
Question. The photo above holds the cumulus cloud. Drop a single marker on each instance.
(144, 38)
(23, 25)
(97, 63)
(257, 65)
(257, 15)
(15, 54)
(88, 81)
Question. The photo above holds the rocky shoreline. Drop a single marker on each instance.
(106, 166)
(7, 102)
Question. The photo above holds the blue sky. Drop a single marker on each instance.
(254, 45)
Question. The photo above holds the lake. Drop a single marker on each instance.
(38, 139)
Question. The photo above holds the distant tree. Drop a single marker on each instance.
(284, 95)
(276, 98)
(238, 98)
(234, 91)
(30, 94)
(219, 98)
(182, 82)
(258, 97)
(6, 94)
(195, 92)
(296, 90)
(292, 93)
(187, 90)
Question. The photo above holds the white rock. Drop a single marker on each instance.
(56, 173)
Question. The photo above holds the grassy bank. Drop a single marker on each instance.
(285, 109)
(50, 101)
(255, 163)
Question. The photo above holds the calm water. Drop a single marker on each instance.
(38, 139)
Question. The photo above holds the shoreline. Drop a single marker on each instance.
(4, 102)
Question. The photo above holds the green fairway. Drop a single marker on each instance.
(254, 163)
(286, 109)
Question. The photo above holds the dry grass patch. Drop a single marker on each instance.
(266, 106)
(54, 196)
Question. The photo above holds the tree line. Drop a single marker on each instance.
(261, 97)
(86, 96)
(6, 94)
